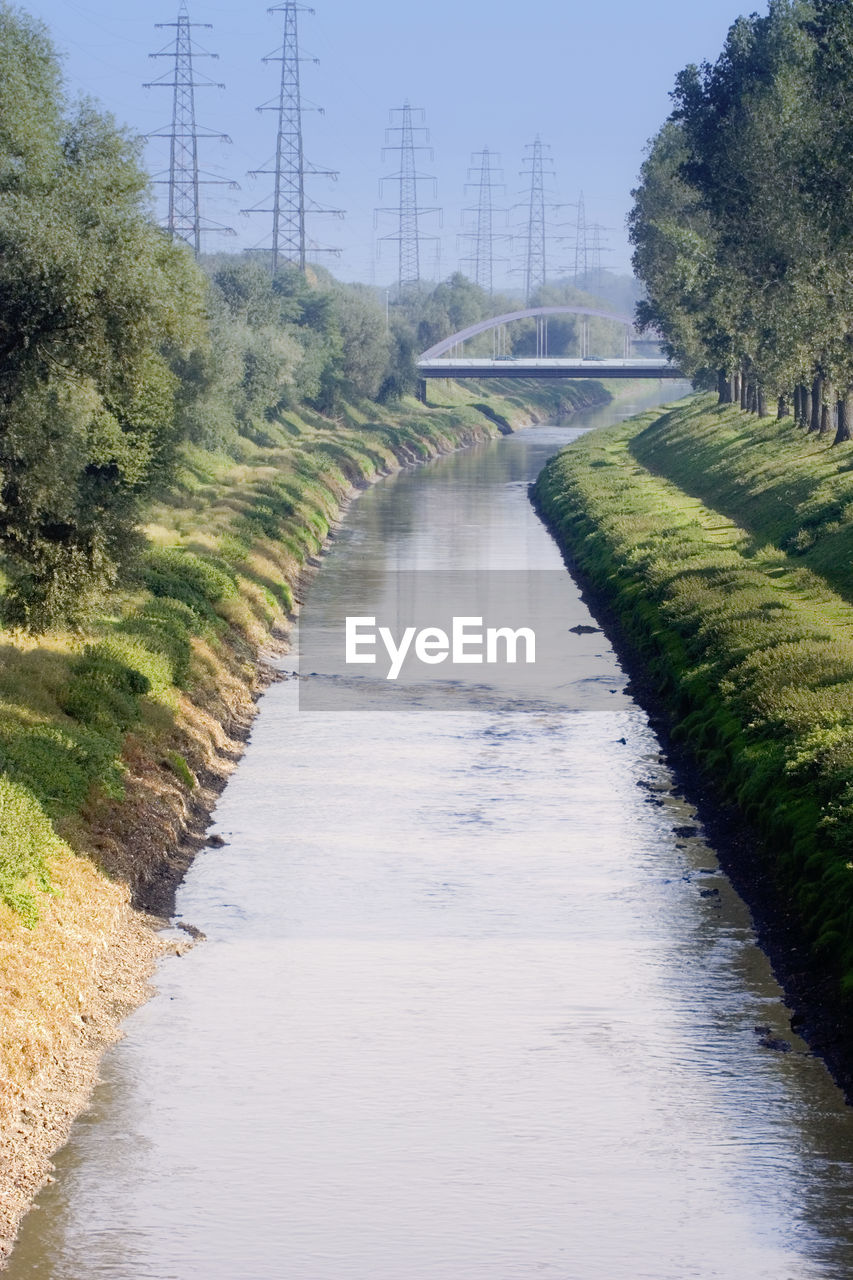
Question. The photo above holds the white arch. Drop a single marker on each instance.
(494, 322)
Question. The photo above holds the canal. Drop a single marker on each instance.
(475, 1001)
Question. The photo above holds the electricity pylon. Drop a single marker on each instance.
(539, 169)
(408, 211)
(589, 250)
(485, 176)
(290, 168)
(581, 244)
(183, 218)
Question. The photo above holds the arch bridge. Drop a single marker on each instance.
(445, 359)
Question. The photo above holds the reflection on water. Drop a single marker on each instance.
(476, 1003)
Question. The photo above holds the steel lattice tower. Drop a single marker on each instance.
(537, 168)
(589, 250)
(581, 243)
(183, 219)
(485, 176)
(408, 235)
(290, 168)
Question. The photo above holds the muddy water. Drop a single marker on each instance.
(475, 1003)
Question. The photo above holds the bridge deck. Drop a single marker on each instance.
(529, 367)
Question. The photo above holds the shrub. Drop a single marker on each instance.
(181, 769)
(191, 579)
(27, 841)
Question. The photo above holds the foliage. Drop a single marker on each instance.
(741, 223)
(94, 297)
(181, 769)
(27, 842)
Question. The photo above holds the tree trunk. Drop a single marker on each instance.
(817, 404)
(782, 407)
(798, 405)
(751, 397)
(844, 431)
(723, 390)
(744, 391)
(762, 403)
(734, 389)
(807, 407)
(827, 410)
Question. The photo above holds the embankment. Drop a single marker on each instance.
(114, 744)
(720, 547)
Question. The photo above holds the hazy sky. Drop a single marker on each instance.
(592, 79)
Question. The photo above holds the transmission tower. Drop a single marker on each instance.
(589, 250)
(289, 166)
(581, 244)
(485, 176)
(539, 170)
(408, 212)
(597, 250)
(183, 219)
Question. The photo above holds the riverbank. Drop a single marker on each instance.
(719, 544)
(116, 744)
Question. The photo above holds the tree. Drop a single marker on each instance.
(729, 228)
(95, 298)
(365, 344)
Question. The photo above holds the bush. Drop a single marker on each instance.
(104, 691)
(181, 769)
(59, 764)
(165, 627)
(27, 841)
(196, 582)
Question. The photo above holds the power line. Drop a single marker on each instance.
(183, 218)
(408, 235)
(289, 201)
(485, 176)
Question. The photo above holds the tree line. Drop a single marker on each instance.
(742, 224)
(116, 346)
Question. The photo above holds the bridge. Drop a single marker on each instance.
(524, 367)
(445, 359)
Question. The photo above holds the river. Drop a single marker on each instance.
(475, 1003)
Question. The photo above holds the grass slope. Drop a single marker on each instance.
(723, 543)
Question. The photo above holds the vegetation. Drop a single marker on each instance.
(117, 349)
(741, 226)
(175, 439)
(724, 550)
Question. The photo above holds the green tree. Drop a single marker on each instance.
(95, 301)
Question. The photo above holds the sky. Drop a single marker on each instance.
(592, 80)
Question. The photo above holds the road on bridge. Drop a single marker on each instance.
(548, 367)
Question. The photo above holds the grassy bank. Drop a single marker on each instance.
(723, 545)
(114, 743)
